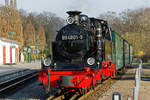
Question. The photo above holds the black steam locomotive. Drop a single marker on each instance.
(86, 52)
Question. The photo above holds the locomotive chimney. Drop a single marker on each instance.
(74, 15)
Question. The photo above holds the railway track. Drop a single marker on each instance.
(9, 84)
(69, 96)
(102, 87)
(76, 96)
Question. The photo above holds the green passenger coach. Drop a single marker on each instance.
(122, 51)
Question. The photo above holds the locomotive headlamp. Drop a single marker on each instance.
(102, 22)
(91, 61)
(70, 20)
(47, 61)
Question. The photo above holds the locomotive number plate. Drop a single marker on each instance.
(72, 37)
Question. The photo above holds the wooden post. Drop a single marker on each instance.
(15, 4)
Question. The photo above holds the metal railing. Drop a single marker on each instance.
(137, 81)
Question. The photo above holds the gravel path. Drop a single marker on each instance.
(124, 86)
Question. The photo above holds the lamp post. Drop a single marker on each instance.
(11, 35)
(38, 50)
(29, 52)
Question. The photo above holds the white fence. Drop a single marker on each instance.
(137, 81)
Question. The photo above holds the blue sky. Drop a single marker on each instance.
(90, 7)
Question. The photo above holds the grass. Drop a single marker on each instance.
(146, 76)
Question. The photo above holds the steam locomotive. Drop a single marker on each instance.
(86, 52)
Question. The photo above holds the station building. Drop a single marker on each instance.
(9, 51)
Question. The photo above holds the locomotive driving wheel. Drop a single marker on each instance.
(84, 90)
(93, 84)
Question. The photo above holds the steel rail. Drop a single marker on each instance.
(11, 74)
(6, 85)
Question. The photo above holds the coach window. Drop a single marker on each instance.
(107, 34)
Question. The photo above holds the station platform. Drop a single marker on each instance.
(6, 69)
